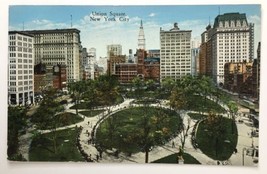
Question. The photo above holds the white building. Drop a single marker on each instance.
(175, 53)
(58, 47)
(20, 69)
(92, 61)
(115, 49)
(232, 41)
(141, 38)
(102, 62)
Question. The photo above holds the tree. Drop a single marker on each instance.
(16, 123)
(184, 131)
(178, 99)
(90, 94)
(139, 87)
(46, 115)
(168, 84)
(215, 128)
(147, 137)
(233, 108)
(107, 90)
(77, 89)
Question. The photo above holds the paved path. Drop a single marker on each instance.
(244, 141)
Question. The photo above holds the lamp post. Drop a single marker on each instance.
(243, 153)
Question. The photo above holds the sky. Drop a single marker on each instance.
(99, 34)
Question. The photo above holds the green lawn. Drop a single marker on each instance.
(196, 116)
(91, 113)
(42, 148)
(226, 141)
(199, 103)
(65, 119)
(172, 159)
(85, 105)
(125, 130)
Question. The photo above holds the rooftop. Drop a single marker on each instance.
(229, 17)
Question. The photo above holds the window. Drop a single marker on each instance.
(12, 83)
(12, 77)
(12, 71)
(12, 61)
(12, 66)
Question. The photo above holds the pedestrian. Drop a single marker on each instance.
(100, 154)
(88, 122)
(173, 144)
(97, 157)
(235, 151)
(90, 157)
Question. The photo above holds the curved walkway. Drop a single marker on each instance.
(244, 141)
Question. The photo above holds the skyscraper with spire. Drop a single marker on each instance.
(141, 38)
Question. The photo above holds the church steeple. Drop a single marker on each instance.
(141, 37)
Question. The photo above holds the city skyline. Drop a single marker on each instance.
(103, 31)
(74, 15)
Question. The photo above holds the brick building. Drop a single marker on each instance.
(237, 77)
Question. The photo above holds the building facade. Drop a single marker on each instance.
(237, 77)
(112, 61)
(114, 50)
(126, 72)
(231, 41)
(256, 74)
(85, 65)
(59, 47)
(92, 62)
(20, 68)
(146, 68)
(195, 61)
(153, 53)
(175, 53)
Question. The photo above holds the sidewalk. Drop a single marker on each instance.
(244, 141)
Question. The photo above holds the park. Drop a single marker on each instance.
(188, 121)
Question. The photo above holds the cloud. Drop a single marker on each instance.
(42, 24)
(152, 15)
(101, 33)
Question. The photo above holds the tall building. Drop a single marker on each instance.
(204, 61)
(92, 60)
(85, 64)
(58, 47)
(175, 53)
(102, 62)
(231, 41)
(131, 56)
(114, 49)
(141, 38)
(20, 68)
(256, 74)
(195, 61)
